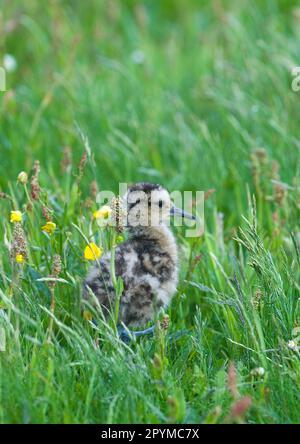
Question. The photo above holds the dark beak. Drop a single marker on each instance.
(174, 211)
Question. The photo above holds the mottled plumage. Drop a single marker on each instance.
(147, 262)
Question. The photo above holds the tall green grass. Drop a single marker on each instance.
(180, 93)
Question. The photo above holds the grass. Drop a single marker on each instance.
(171, 92)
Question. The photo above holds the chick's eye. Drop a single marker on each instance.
(160, 203)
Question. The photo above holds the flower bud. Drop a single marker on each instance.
(22, 178)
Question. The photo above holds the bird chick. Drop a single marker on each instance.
(147, 262)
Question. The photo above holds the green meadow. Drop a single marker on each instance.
(194, 95)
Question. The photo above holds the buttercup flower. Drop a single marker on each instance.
(49, 227)
(92, 252)
(15, 216)
(104, 212)
(22, 178)
(87, 315)
(19, 258)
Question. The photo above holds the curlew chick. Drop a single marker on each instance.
(147, 262)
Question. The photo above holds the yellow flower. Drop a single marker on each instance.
(49, 227)
(15, 216)
(87, 315)
(22, 178)
(19, 258)
(92, 252)
(104, 212)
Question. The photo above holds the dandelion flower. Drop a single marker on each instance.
(104, 212)
(49, 227)
(22, 178)
(19, 258)
(92, 252)
(15, 216)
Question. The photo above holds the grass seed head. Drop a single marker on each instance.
(3, 195)
(232, 380)
(280, 192)
(93, 189)
(34, 184)
(240, 408)
(66, 162)
(56, 269)
(23, 178)
(82, 165)
(46, 214)
(260, 154)
(165, 322)
(118, 213)
(19, 244)
(257, 298)
(275, 167)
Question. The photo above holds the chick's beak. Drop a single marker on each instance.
(174, 211)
